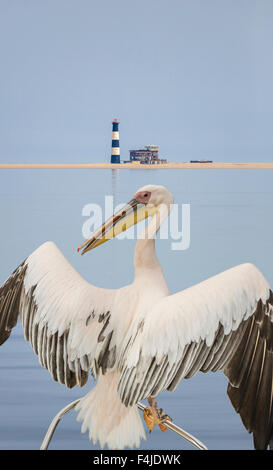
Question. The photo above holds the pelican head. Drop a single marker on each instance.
(146, 202)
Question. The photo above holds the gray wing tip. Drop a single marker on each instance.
(10, 294)
(250, 374)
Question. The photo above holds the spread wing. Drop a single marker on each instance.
(68, 322)
(225, 322)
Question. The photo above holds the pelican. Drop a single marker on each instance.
(140, 340)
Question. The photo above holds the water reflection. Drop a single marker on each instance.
(115, 176)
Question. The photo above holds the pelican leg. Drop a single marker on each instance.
(154, 415)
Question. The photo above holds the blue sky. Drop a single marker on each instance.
(193, 76)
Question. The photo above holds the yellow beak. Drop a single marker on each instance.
(129, 215)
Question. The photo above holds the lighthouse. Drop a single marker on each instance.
(115, 155)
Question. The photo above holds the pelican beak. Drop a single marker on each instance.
(129, 215)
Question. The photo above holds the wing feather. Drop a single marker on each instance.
(55, 303)
(225, 322)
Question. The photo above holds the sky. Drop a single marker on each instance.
(193, 76)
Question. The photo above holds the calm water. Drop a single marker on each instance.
(231, 223)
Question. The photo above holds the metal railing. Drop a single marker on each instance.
(169, 424)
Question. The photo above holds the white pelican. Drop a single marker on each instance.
(139, 340)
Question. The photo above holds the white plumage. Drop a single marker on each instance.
(139, 340)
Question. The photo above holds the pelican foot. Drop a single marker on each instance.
(154, 415)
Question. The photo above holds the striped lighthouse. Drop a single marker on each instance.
(115, 155)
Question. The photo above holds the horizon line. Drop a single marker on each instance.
(133, 166)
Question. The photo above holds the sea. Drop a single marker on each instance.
(228, 221)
